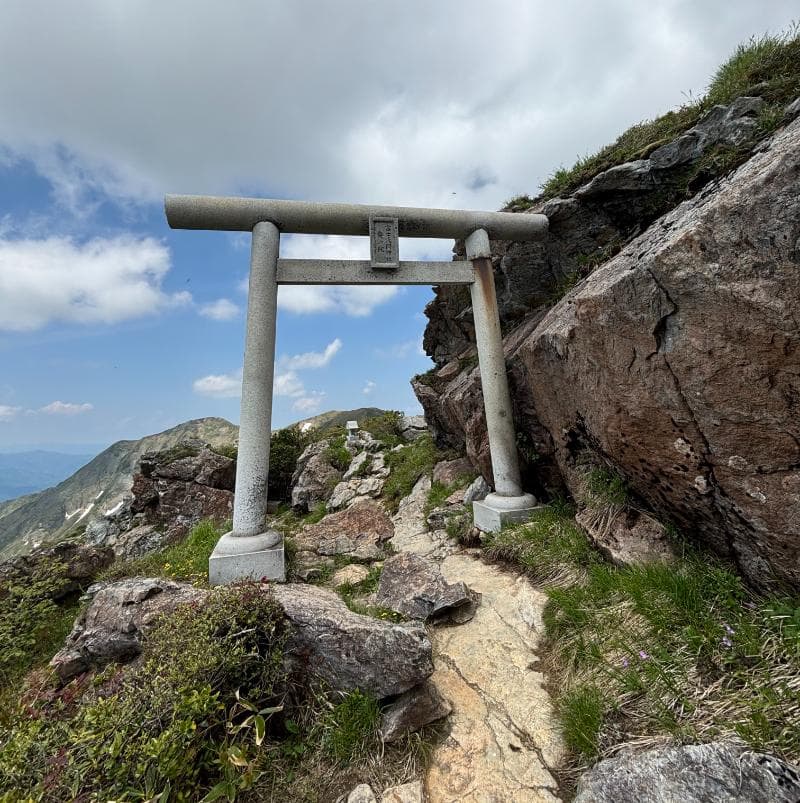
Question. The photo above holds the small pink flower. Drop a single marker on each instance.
(624, 663)
(643, 655)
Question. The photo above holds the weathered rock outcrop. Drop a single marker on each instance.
(314, 478)
(349, 651)
(120, 613)
(325, 638)
(174, 490)
(79, 565)
(677, 362)
(722, 772)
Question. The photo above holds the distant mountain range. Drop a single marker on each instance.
(52, 514)
(27, 472)
(97, 487)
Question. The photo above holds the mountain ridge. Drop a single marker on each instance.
(97, 486)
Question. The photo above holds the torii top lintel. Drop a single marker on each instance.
(302, 217)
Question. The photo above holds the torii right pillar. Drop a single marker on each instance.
(508, 502)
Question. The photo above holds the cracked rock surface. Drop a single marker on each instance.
(677, 361)
(503, 736)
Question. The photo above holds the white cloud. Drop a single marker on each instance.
(66, 408)
(356, 301)
(313, 359)
(105, 280)
(410, 129)
(7, 412)
(219, 386)
(369, 386)
(400, 351)
(310, 403)
(222, 309)
(288, 384)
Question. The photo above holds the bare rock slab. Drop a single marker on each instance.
(722, 772)
(627, 537)
(415, 587)
(358, 531)
(413, 710)
(404, 793)
(349, 651)
(112, 627)
(504, 738)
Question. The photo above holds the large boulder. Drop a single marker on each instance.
(722, 772)
(679, 361)
(350, 651)
(314, 477)
(175, 494)
(415, 587)
(119, 614)
(358, 531)
(79, 565)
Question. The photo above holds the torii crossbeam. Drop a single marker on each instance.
(250, 550)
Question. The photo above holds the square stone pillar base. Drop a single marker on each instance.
(493, 512)
(254, 557)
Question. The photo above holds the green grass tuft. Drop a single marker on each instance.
(185, 560)
(353, 724)
(337, 454)
(605, 487)
(681, 650)
(768, 66)
(407, 466)
(581, 712)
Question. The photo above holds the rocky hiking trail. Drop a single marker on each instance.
(503, 739)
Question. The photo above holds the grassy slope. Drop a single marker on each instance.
(681, 651)
(768, 66)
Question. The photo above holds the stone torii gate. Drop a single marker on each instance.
(250, 550)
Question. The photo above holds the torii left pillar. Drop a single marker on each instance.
(250, 550)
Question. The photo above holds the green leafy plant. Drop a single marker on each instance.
(337, 454)
(385, 428)
(407, 466)
(173, 721)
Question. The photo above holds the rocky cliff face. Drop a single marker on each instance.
(174, 490)
(677, 361)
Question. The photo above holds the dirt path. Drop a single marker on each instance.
(503, 736)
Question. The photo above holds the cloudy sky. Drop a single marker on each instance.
(112, 326)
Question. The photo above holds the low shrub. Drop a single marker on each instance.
(337, 454)
(171, 725)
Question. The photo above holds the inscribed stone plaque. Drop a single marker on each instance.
(383, 243)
